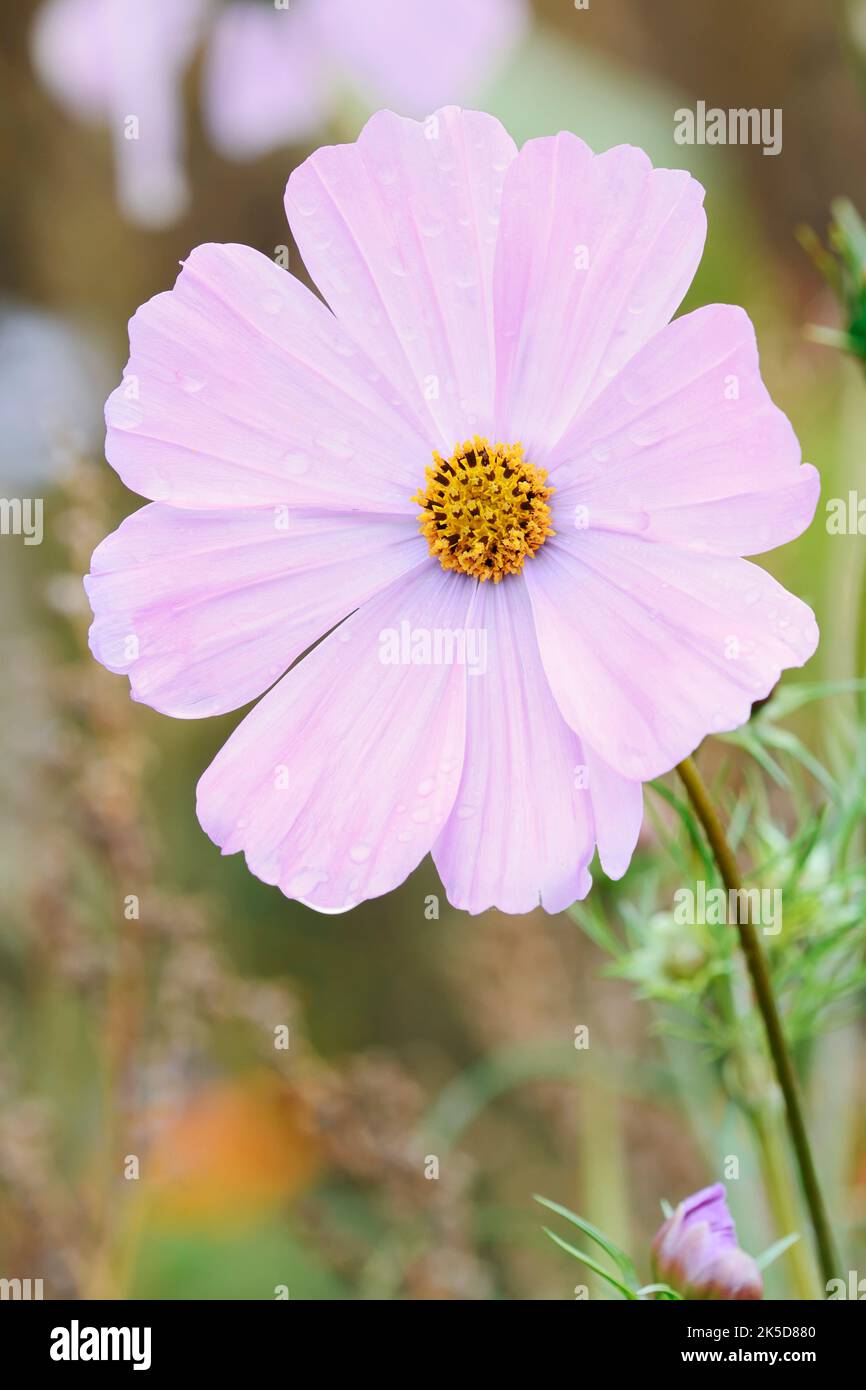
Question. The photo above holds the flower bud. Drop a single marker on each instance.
(696, 1251)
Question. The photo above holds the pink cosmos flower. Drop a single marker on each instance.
(271, 72)
(696, 1251)
(496, 392)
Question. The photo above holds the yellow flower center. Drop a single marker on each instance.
(485, 509)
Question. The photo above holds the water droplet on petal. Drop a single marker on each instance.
(125, 414)
(306, 201)
(643, 436)
(295, 464)
(306, 881)
(336, 443)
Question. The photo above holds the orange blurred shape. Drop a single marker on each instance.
(233, 1152)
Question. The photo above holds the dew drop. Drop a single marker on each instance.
(643, 438)
(295, 464)
(191, 384)
(336, 444)
(305, 881)
(125, 415)
(306, 206)
(359, 854)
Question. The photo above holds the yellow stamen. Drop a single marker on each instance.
(485, 509)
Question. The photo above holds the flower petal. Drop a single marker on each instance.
(398, 231)
(685, 446)
(241, 390)
(648, 649)
(617, 808)
(522, 831)
(595, 252)
(339, 781)
(265, 79)
(205, 610)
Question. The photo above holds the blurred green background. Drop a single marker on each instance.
(150, 1037)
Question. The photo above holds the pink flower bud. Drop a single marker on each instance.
(696, 1251)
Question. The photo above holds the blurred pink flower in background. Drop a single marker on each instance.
(696, 1251)
(121, 62)
(473, 291)
(272, 74)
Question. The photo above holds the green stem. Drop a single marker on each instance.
(757, 1093)
(782, 1195)
(756, 962)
